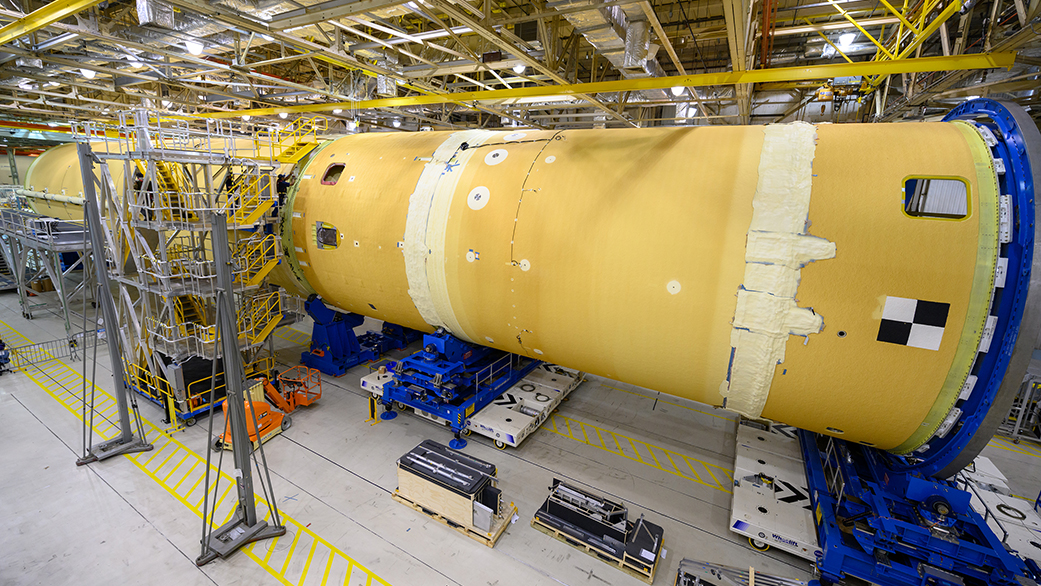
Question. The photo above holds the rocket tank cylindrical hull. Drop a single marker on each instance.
(758, 267)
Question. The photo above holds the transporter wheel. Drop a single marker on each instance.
(500, 444)
(758, 545)
(401, 406)
(287, 422)
(375, 395)
(466, 432)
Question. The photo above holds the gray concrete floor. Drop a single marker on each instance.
(333, 474)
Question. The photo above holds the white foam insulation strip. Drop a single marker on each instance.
(425, 226)
(776, 250)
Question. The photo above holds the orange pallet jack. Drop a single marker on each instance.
(298, 386)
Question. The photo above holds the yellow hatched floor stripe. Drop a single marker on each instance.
(1025, 448)
(293, 335)
(663, 459)
(171, 482)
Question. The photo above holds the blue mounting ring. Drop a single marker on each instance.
(1000, 371)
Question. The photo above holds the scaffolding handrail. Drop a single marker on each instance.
(51, 350)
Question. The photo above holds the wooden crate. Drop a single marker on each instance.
(489, 539)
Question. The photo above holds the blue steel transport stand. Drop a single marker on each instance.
(335, 348)
(893, 520)
(453, 379)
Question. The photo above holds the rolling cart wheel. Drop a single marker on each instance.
(189, 422)
(287, 422)
(401, 406)
(216, 445)
(499, 444)
(758, 545)
(466, 432)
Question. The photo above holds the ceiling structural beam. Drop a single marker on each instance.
(798, 105)
(833, 26)
(663, 38)
(972, 61)
(325, 11)
(42, 17)
(502, 43)
(1005, 47)
(736, 13)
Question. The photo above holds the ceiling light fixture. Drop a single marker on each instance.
(846, 40)
(88, 73)
(678, 90)
(337, 111)
(519, 68)
(283, 115)
(352, 125)
(268, 38)
(133, 58)
(194, 47)
(52, 124)
(53, 84)
(245, 117)
(396, 123)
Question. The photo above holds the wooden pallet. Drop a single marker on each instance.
(606, 557)
(488, 539)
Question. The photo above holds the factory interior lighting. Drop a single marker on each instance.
(194, 47)
(527, 174)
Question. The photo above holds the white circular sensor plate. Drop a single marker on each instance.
(514, 136)
(495, 157)
(673, 287)
(550, 159)
(478, 197)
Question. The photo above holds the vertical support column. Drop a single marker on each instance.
(14, 166)
(126, 442)
(243, 528)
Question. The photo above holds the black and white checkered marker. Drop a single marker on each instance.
(913, 322)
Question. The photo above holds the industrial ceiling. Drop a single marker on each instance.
(444, 64)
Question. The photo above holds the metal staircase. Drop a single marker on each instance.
(298, 138)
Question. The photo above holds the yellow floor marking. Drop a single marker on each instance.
(107, 430)
(271, 549)
(186, 475)
(157, 450)
(289, 556)
(160, 466)
(307, 563)
(637, 456)
(1005, 444)
(328, 567)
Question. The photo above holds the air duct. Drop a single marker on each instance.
(624, 39)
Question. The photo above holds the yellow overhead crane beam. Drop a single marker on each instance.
(780, 74)
(41, 17)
